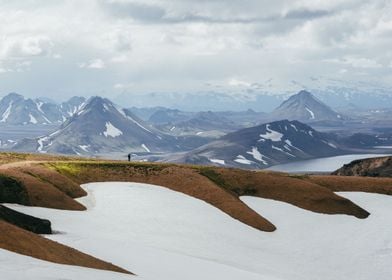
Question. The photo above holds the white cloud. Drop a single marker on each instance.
(24, 46)
(180, 45)
(238, 83)
(93, 64)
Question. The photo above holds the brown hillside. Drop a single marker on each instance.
(371, 167)
(354, 184)
(23, 242)
(282, 187)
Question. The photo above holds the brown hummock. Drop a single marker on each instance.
(372, 167)
(27, 222)
(20, 241)
(354, 184)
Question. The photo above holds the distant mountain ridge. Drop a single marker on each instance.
(263, 146)
(101, 127)
(305, 107)
(18, 110)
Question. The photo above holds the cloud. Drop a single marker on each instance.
(93, 64)
(158, 14)
(20, 46)
(183, 45)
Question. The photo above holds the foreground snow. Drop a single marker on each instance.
(161, 234)
(17, 267)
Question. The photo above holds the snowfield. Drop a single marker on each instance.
(157, 233)
(111, 130)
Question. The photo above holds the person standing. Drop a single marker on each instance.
(129, 157)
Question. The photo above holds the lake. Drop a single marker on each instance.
(327, 164)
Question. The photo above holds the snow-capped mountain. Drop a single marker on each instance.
(265, 145)
(199, 123)
(101, 127)
(71, 107)
(18, 110)
(305, 107)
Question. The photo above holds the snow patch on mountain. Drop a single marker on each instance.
(84, 147)
(272, 135)
(33, 120)
(6, 113)
(311, 113)
(218, 161)
(242, 160)
(257, 155)
(146, 148)
(112, 131)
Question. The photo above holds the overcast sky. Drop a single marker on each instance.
(87, 47)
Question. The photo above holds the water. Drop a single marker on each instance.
(327, 164)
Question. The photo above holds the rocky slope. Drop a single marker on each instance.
(18, 110)
(305, 107)
(263, 146)
(373, 167)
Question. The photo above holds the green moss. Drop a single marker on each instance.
(220, 181)
(76, 168)
(65, 168)
(214, 177)
(12, 191)
(299, 176)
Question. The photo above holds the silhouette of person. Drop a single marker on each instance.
(129, 157)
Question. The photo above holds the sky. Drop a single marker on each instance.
(95, 47)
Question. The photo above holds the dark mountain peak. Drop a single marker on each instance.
(99, 103)
(76, 100)
(13, 96)
(265, 145)
(304, 93)
(304, 106)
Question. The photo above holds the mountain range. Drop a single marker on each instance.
(101, 127)
(245, 139)
(264, 145)
(18, 110)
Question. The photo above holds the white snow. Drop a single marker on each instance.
(7, 112)
(18, 267)
(293, 126)
(39, 106)
(84, 147)
(330, 144)
(283, 151)
(241, 159)
(41, 143)
(218, 161)
(271, 135)
(161, 234)
(310, 112)
(138, 124)
(257, 155)
(146, 148)
(121, 111)
(111, 130)
(32, 119)
(318, 246)
(288, 142)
